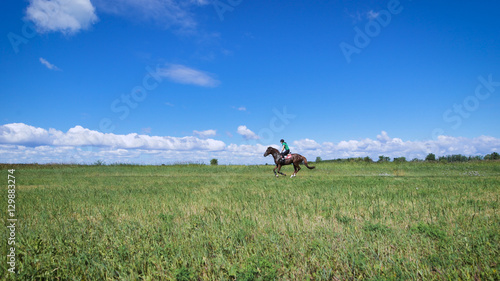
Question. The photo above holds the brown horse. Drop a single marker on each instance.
(296, 159)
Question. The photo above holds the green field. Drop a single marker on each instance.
(347, 221)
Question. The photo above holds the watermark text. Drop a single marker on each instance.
(11, 221)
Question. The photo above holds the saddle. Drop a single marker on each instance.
(288, 156)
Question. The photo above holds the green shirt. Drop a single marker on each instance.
(286, 146)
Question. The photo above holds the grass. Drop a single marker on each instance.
(417, 221)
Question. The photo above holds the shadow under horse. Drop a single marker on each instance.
(296, 159)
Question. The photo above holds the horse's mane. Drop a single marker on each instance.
(273, 149)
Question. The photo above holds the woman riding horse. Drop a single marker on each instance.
(296, 159)
(285, 150)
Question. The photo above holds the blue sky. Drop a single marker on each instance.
(158, 81)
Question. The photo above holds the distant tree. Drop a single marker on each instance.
(400, 159)
(368, 159)
(355, 159)
(383, 158)
(430, 157)
(214, 162)
(476, 158)
(318, 159)
(456, 158)
(415, 160)
(492, 156)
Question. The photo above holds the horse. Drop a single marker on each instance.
(296, 159)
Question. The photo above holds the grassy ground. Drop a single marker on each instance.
(338, 222)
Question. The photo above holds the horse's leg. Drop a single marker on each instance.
(296, 168)
(279, 168)
(274, 170)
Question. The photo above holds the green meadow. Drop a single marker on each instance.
(340, 221)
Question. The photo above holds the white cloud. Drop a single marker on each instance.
(66, 16)
(48, 64)
(201, 2)
(185, 75)
(383, 137)
(241, 108)
(21, 143)
(205, 134)
(306, 144)
(355, 16)
(372, 15)
(396, 147)
(247, 133)
(22, 134)
(167, 13)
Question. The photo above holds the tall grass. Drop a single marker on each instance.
(338, 222)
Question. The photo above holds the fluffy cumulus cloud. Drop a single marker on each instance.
(66, 16)
(306, 144)
(396, 147)
(21, 143)
(22, 134)
(247, 133)
(186, 75)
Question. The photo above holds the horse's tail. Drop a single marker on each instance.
(305, 163)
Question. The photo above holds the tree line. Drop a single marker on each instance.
(431, 157)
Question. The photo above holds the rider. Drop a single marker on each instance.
(285, 150)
